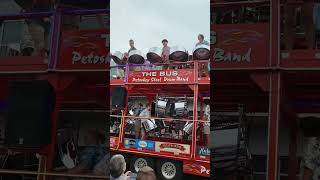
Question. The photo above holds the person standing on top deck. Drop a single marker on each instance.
(165, 53)
(131, 43)
(132, 47)
(201, 40)
(39, 28)
(307, 8)
(204, 67)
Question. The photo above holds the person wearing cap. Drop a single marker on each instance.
(165, 53)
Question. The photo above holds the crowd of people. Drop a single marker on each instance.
(117, 166)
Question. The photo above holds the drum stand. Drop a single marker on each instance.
(232, 160)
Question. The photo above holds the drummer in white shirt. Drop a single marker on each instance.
(204, 67)
(145, 113)
(201, 40)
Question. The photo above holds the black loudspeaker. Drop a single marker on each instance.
(29, 114)
(119, 96)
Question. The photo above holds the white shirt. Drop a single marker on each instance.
(312, 156)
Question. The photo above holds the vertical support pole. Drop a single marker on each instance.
(201, 116)
(293, 161)
(124, 113)
(274, 93)
(127, 68)
(274, 110)
(41, 167)
(55, 118)
(55, 39)
(195, 118)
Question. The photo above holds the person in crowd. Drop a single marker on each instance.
(165, 53)
(146, 173)
(201, 40)
(307, 20)
(117, 166)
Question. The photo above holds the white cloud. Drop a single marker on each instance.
(149, 21)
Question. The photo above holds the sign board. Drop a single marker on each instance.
(161, 76)
(240, 45)
(139, 144)
(84, 49)
(203, 152)
(114, 142)
(172, 147)
(196, 168)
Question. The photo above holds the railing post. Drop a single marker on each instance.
(55, 37)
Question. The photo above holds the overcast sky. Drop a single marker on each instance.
(147, 22)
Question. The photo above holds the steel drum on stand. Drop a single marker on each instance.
(178, 53)
(136, 57)
(154, 55)
(119, 58)
(201, 52)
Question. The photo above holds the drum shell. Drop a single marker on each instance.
(201, 52)
(136, 57)
(154, 55)
(178, 53)
(119, 58)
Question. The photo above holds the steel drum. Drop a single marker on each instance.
(201, 52)
(149, 125)
(119, 58)
(136, 57)
(187, 128)
(178, 53)
(154, 55)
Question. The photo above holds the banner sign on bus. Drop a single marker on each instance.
(162, 76)
(139, 144)
(240, 45)
(113, 141)
(203, 152)
(172, 147)
(84, 49)
(196, 168)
